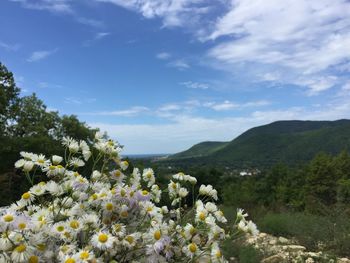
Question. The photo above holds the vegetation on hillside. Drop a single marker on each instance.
(289, 142)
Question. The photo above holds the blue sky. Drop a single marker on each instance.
(162, 75)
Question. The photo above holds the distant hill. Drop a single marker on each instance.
(291, 142)
(201, 149)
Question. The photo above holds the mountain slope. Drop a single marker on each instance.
(282, 141)
(201, 149)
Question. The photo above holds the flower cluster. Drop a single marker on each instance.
(110, 214)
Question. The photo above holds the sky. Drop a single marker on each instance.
(162, 75)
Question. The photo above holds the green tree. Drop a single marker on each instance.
(321, 182)
(9, 98)
(33, 119)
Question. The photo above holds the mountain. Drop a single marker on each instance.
(201, 149)
(291, 142)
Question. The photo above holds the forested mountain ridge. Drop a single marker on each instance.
(289, 142)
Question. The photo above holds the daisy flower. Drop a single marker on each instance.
(102, 240)
(148, 176)
(21, 253)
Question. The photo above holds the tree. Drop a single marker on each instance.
(32, 118)
(9, 98)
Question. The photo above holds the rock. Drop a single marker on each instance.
(309, 260)
(343, 260)
(283, 240)
(294, 248)
(273, 259)
(273, 242)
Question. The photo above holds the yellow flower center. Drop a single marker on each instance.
(122, 192)
(22, 226)
(218, 254)
(102, 238)
(41, 161)
(117, 227)
(117, 173)
(26, 195)
(192, 231)
(74, 224)
(67, 234)
(52, 167)
(21, 248)
(130, 239)
(76, 174)
(157, 235)
(59, 166)
(42, 183)
(192, 247)
(8, 218)
(70, 260)
(60, 228)
(84, 255)
(149, 209)
(173, 185)
(109, 206)
(94, 196)
(124, 213)
(33, 259)
(202, 216)
(149, 175)
(145, 192)
(41, 247)
(132, 193)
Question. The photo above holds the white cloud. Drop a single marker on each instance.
(180, 64)
(131, 112)
(98, 36)
(224, 106)
(163, 55)
(195, 85)
(39, 55)
(229, 105)
(9, 47)
(56, 6)
(90, 22)
(70, 100)
(173, 13)
(301, 37)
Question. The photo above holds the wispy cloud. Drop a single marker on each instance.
(172, 13)
(163, 55)
(313, 38)
(90, 22)
(180, 64)
(76, 101)
(40, 55)
(230, 105)
(9, 47)
(98, 36)
(130, 112)
(56, 6)
(195, 85)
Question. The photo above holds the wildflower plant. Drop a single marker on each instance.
(111, 213)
